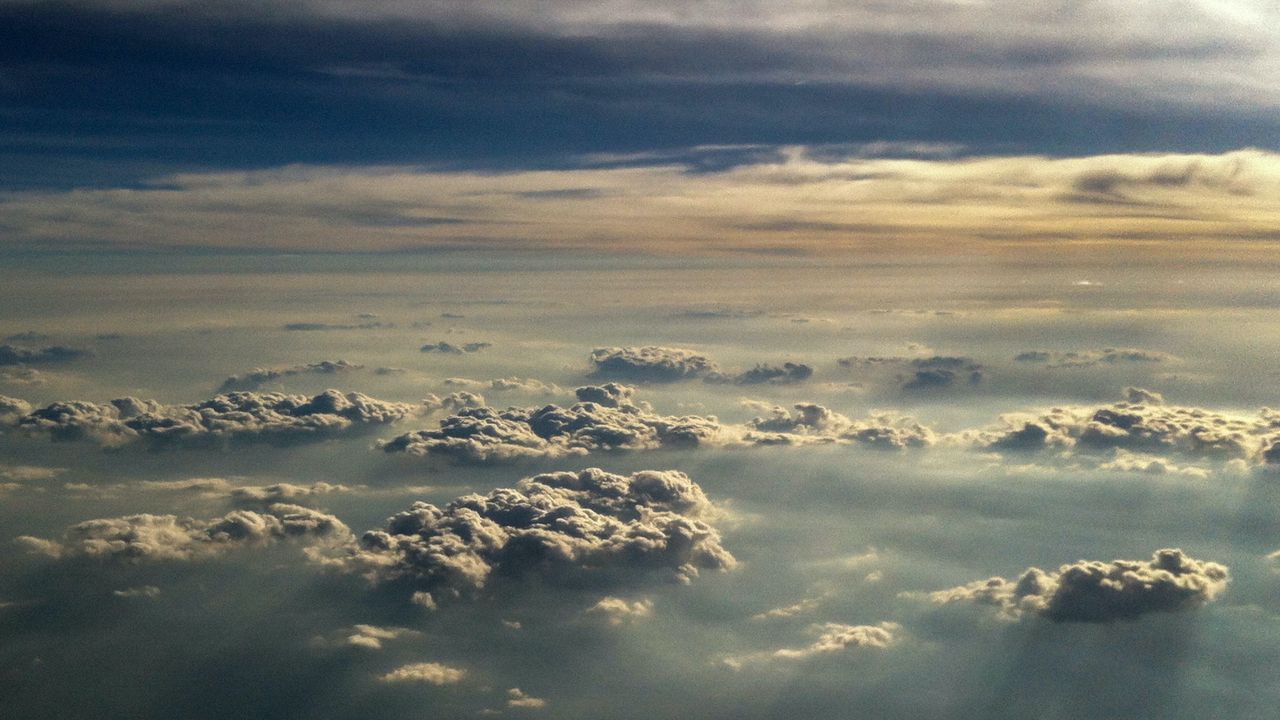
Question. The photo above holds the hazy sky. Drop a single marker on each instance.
(639, 360)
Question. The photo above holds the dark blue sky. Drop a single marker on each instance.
(110, 93)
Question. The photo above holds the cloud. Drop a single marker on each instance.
(1125, 461)
(608, 418)
(805, 606)
(319, 326)
(619, 610)
(453, 401)
(11, 409)
(26, 336)
(24, 376)
(788, 372)
(371, 637)
(836, 637)
(142, 591)
(650, 363)
(1137, 425)
(254, 379)
(531, 386)
(268, 495)
(1092, 358)
(430, 673)
(959, 203)
(485, 434)
(610, 395)
(832, 638)
(588, 523)
(149, 537)
(450, 349)
(1100, 592)
(20, 355)
(238, 416)
(919, 374)
(517, 698)
(813, 423)
(28, 473)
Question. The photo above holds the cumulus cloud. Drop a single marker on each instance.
(1092, 358)
(430, 673)
(589, 523)
(11, 409)
(832, 638)
(517, 698)
(1125, 461)
(451, 349)
(529, 386)
(788, 372)
(608, 418)
(238, 416)
(485, 434)
(1100, 592)
(650, 363)
(147, 537)
(453, 401)
(619, 610)
(268, 495)
(919, 373)
(813, 423)
(21, 355)
(257, 377)
(371, 637)
(807, 605)
(1142, 424)
(143, 591)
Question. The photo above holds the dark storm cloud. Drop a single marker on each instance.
(148, 537)
(573, 523)
(1099, 592)
(239, 416)
(21, 355)
(254, 379)
(1091, 358)
(650, 363)
(175, 82)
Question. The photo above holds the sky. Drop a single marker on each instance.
(558, 359)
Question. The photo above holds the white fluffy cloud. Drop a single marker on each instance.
(431, 673)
